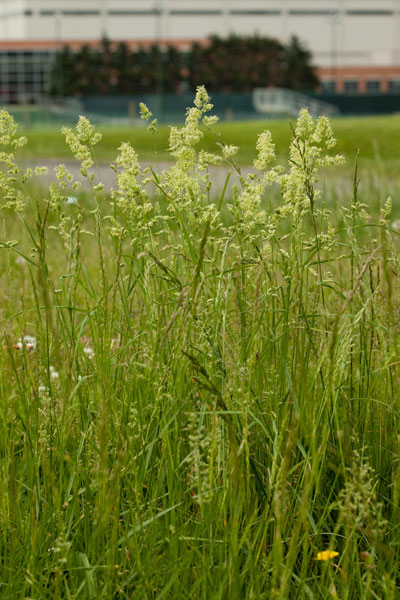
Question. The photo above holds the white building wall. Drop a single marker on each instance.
(12, 19)
(340, 32)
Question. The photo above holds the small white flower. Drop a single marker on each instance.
(396, 225)
(89, 352)
(53, 373)
(28, 341)
(42, 389)
(20, 260)
(72, 200)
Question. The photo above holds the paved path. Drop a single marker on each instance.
(108, 176)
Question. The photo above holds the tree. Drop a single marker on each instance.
(236, 64)
(299, 74)
(233, 64)
(63, 76)
(240, 64)
(115, 69)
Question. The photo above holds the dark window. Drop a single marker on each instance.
(127, 12)
(255, 11)
(308, 13)
(373, 86)
(329, 86)
(69, 13)
(371, 13)
(351, 86)
(394, 86)
(80, 13)
(196, 12)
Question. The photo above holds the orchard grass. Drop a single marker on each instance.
(199, 397)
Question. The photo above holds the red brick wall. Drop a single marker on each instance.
(361, 74)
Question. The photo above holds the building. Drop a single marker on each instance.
(355, 43)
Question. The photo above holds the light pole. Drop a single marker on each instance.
(159, 61)
(103, 15)
(334, 19)
(58, 39)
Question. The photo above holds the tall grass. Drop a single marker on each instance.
(199, 396)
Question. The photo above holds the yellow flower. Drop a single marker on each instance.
(327, 555)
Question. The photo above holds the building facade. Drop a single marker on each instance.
(355, 43)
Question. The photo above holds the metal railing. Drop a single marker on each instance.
(279, 101)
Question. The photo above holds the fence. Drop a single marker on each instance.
(124, 110)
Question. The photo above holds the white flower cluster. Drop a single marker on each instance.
(28, 342)
(12, 178)
(187, 181)
(252, 215)
(8, 130)
(307, 156)
(131, 196)
(229, 151)
(266, 151)
(146, 115)
(309, 153)
(81, 142)
(88, 350)
(53, 373)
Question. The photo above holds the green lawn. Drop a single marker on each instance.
(377, 138)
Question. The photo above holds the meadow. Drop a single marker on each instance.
(199, 392)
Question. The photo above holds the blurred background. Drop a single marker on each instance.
(257, 58)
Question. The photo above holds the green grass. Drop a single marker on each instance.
(377, 138)
(227, 398)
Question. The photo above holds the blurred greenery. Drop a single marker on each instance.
(378, 139)
(233, 64)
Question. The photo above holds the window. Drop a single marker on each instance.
(69, 13)
(373, 86)
(371, 13)
(351, 86)
(394, 86)
(310, 12)
(23, 72)
(200, 12)
(254, 11)
(329, 86)
(127, 12)
(80, 13)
